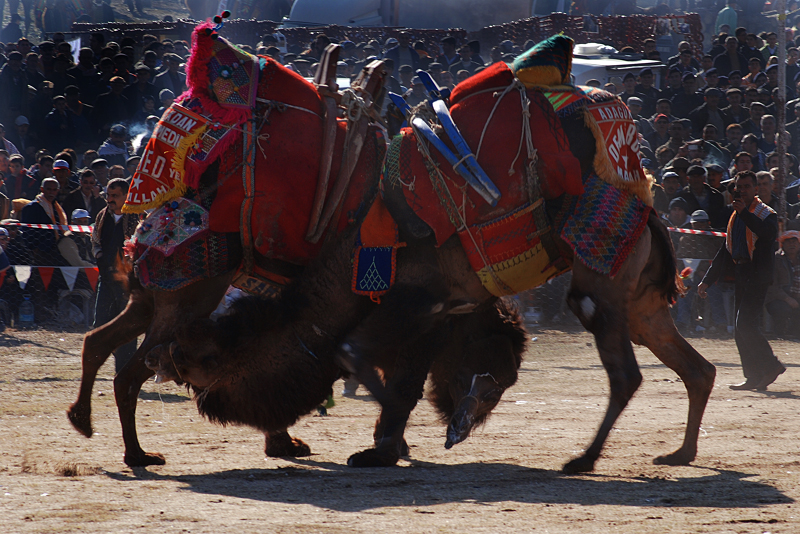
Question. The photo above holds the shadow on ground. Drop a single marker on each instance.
(338, 487)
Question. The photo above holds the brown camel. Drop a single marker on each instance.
(431, 283)
(268, 362)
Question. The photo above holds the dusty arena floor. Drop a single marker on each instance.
(506, 477)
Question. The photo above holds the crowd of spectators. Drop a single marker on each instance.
(702, 118)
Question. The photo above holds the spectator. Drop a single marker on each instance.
(5, 144)
(86, 197)
(18, 183)
(659, 136)
(116, 150)
(60, 125)
(403, 53)
(110, 232)
(466, 63)
(172, 78)
(448, 57)
(13, 89)
(731, 59)
(100, 169)
(708, 112)
(727, 16)
(136, 92)
(734, 113)
(683, 103)
(749, 255)
(24, 141)
(166, 97)
(111, 107)
(44, 209)
(783, 296)
(116, 172)
(698, 195)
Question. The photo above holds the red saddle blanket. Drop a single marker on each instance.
(503, 155)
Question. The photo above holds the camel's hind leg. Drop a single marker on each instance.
(601, 304)
(97, 347)
(651, 325)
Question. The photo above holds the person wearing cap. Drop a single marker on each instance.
(86, 197)
(12, 32)
(749, 255)
(703, 248)
(116, 149)
(136, 92)
(403, 53)
(416, 94)
(698, 195)
(734, 112)
(112, 107)
(80, 113)
(783, 296)
(166, 97)
(730, 60)
(708, 112)
(26, 143)
(687, 100)
(449, 55)
(647, 92)
(75, 246)
(660, 134)
(172, 78)
(674, 86)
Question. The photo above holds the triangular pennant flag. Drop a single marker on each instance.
(47, 274)
(70, 274)
(92, 273)
(23, 274)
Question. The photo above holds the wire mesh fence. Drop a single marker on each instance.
(53, 269)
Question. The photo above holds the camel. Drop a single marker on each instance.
(269, 362)
(433, 281)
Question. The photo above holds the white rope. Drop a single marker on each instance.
(496, 104)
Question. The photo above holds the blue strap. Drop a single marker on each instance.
(467, 158)
(434, 91)
(423, 128)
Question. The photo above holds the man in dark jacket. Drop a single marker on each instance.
(86, 197)
(749, 254)
(109, 235)
(701, 196)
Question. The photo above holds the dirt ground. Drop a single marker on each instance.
(506, 476)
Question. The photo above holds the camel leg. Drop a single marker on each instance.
(601, 305)
(652, 326)
(406, 313)
(98, 346)
(280, 444)
(127, 385)
(170, 308)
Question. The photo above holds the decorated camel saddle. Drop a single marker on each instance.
(501, 169)
(223, 160)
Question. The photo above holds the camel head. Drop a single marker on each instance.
(172, 362)
(488, 370)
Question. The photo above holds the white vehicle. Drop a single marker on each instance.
(602, 62)
(467, 14)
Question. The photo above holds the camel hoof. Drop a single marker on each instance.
(676, 458)
(144, 459)
(578, 465)
(293, 448)
(373, 458)
(81, 419)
